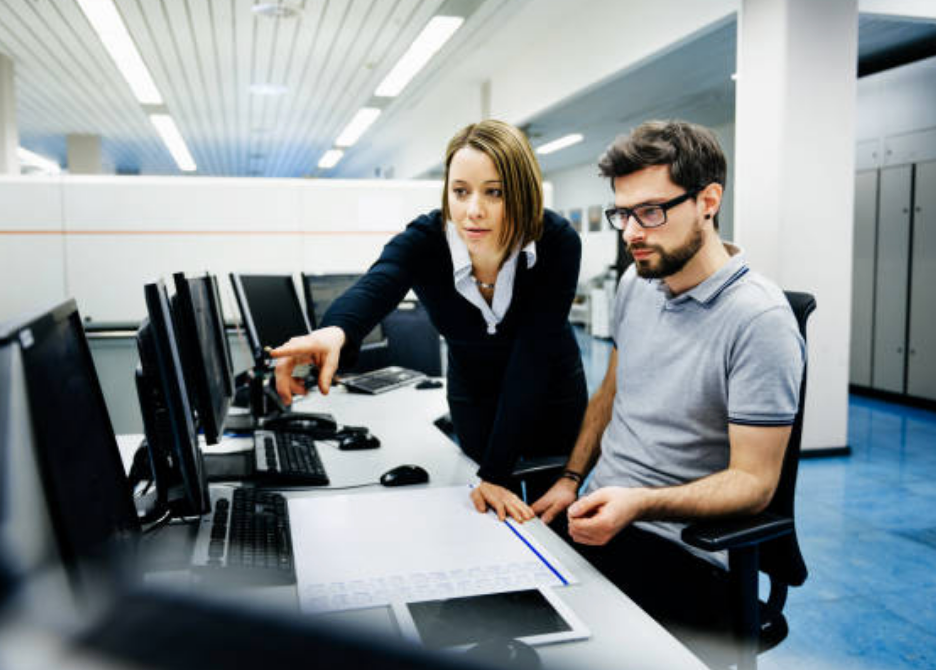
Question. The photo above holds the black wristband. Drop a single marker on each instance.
(571, 474)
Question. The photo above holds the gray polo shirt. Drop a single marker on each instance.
(726, 351)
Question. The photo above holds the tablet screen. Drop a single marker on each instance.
(459, 621)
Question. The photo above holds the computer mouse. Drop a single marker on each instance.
(358, 440)
(429, 384)
(505, 652)
(403, 475)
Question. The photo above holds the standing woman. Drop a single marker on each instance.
(497, 274)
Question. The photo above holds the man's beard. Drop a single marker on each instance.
(668, 262)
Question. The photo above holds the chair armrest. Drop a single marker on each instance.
(721, 534)
(539, 466)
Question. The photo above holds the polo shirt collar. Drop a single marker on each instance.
(711, 288)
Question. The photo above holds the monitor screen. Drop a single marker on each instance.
(270, 309)
(203, 347)
(167, 413)
(86, 490)
(322, 290)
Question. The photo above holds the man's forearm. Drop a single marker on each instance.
(588, 445)
(727, 493)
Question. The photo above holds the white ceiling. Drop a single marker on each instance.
(205, 54)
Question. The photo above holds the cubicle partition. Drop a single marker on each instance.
(99, 239)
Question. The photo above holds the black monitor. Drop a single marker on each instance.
(202, 341)
(87, 498)
(176, 459)
(270, 310)
(322, 290)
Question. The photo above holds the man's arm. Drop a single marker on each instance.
(587, 447)
(745, 487)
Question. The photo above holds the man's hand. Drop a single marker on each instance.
(559, 496)
(501, 500)
(601, 515)
(321, 347)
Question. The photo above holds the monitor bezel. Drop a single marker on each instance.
(243, 304)
(170, 377)
(22, 334)
(193, 355)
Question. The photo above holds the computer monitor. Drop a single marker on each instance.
(87, 499)
(176, 459)
(270, 310)
(204, 352)
(322, 290)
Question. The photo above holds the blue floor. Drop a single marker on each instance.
(867, 527)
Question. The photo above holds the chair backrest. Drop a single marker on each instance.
(781, 558)
(413, 339)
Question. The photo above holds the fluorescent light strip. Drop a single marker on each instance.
(30, 158)
(561, 143)
(173, 139)
(330, 158)
(356, 127)
(433, 36)
(105, 19)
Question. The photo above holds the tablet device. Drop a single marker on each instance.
(534, 616)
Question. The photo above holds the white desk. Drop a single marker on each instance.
(623, 636)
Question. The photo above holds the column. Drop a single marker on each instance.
(9, 136)
(84, 154)
(794, 177)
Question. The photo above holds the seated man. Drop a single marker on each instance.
(695, 411)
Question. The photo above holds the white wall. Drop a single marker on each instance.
(99, 239)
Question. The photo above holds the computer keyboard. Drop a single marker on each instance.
(249, 540)
(380, 381)
(288, 457)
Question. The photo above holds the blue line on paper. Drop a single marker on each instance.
(538, 555)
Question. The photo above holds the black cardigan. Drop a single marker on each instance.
(522, 365)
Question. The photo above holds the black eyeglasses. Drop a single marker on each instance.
(648, 216)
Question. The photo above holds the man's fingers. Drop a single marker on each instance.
(550, 513)
(587, 505)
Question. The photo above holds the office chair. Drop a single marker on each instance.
(764, 543)
(413, 340)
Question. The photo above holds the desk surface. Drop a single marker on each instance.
(623, 636)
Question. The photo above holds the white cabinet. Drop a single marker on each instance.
(893, 339)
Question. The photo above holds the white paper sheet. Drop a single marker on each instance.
(369, 549)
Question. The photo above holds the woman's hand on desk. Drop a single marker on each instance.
(321, 347)
(555, 501)
(504, 502)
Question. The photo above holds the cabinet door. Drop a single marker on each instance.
(892, 279)
(921, 368)
(862, 321)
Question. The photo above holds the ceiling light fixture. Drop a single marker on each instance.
(330, 158)
(105, 19)
(561, 143)
(173, 139)
(40, 163)
(275, 10)
(356, 127)
(436, 33)
(268, 89)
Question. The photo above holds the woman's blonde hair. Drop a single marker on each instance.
(519, 172)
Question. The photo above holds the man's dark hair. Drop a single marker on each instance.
(692, 152)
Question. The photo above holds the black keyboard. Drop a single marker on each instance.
(288, 457)
(385, 379)
(249, 541)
